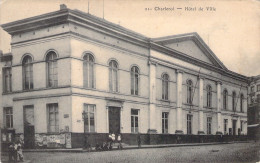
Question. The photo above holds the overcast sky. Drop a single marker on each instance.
(232, 31)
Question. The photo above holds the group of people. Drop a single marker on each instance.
(110, 142)
(15, 151)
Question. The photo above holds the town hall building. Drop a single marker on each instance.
(72, 72)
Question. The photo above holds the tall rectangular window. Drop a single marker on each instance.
(89, 118)
(134, 120)
(209, 123)
(134, 80)
(165, 122)
(113, 76)
(8, 117)
(52, 69)
(88, 70)
(53, 117)
(189, 124)
(225, 126)
(241, 126)
(7, 79)
(258, 87)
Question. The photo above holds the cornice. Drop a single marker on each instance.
(101, 25)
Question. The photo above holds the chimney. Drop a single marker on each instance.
(63, 7)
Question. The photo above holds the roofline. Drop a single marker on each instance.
(68, 15)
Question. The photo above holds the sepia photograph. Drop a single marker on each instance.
(129, 81)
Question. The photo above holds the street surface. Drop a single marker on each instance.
(240, 152)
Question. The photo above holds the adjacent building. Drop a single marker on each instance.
(254, 107)
(72, 72)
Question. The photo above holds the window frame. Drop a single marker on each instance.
(209, 125)
(241, 103)
(252, 89)
(27, 63)
(54, 65)
(7, 79)
(113, 69)
(189, 91)
(189, 124)
(135, 78)
(209, 96)
(165, 86)
(11, 122)
(258, 87)
(165, 122)
(234, 101)
(88, 112)
(225, 99)
(225, 126)
(133, 121)
(88, 66)
(55, 106)
(241, 126)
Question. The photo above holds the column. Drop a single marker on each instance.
(201, 115)
(219, 117)
(152, 97)
(179, 103)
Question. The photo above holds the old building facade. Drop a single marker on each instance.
(254, 107)
(69, 71)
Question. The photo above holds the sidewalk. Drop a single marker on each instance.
(125, 147)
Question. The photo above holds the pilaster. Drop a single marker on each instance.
(179, 102)
(201, 114)
(219, 116)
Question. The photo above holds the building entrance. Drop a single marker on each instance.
(234, 126)
(114, 120)
(28, 122)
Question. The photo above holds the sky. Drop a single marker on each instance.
(231, 28)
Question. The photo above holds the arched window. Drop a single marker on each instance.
(225, 99)
(134, 80)
(113, 76)
(27, 72)
(209, 96)
(234, 101)
(52, 69)
(241, 102)
(88, 71)
(189, 91)
(165, 87)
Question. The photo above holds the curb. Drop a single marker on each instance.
(79, 150)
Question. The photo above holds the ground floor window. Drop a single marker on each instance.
(165, 122)
(53, 117)
(8, 117)
(189, 124)
(225, 126)
(209, 123)
(89, 118)
(134, 120)
(241, 126)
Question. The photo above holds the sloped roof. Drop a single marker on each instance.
(199, 42)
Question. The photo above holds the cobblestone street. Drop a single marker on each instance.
(241, 152)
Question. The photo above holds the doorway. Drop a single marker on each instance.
(28, 122)
(114, 120)
(234, 126)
